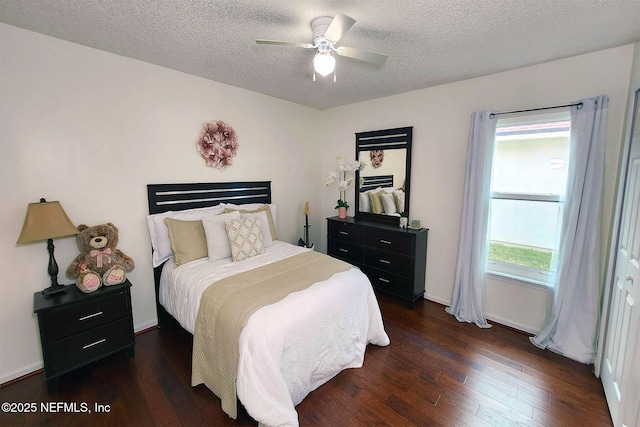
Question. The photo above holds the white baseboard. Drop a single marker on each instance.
(438, 300)
(147, 325)
(511, 324)
(22, 372)
(489, 316)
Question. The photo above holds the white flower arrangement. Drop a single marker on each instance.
(341, 173)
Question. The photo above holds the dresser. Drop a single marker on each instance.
(393, 258)
(78, 328)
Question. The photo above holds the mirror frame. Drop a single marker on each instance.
(386, 139)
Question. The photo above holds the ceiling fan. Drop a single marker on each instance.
(327, 32)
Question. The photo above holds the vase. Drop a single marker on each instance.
(342, 213)
(404, 222)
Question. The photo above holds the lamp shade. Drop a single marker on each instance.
(324, 63)
(45, 220)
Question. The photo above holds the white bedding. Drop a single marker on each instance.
(290, 348)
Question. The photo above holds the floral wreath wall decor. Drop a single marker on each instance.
(377, 157)
(218, 144)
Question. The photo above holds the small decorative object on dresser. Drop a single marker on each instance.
(78, 328)
(404, 219)
(341, 173)
(393, 258)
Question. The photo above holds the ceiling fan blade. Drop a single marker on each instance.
(280, 43)
(362, 55)
(340, 25)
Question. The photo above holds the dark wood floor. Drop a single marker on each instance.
(435, 372)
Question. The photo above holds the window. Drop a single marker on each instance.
(529, 177)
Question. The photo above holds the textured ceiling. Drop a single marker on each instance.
(428, 42)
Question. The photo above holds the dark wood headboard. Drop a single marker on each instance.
(179, 197)
(373, 182)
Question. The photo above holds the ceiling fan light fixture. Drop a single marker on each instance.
(324, 64)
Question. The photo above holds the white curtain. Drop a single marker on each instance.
(468, 288)
(571, 330)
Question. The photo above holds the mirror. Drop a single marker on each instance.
(382, 187)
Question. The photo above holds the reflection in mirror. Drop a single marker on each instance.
(388, 177)
(382, 187)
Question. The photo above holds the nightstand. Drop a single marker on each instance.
(78, 328)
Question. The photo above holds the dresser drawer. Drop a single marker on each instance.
(346, 231)
(389, 241)
(84, 316)
(73, 351)
(393, 283)
(345, 250)
(389, 261)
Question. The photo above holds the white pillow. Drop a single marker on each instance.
(217, 240)
(389, 203)
(365, 203)
(159, 232)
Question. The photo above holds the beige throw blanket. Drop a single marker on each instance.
(226, 306)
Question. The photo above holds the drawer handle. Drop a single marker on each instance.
(384, 261)
(344, 250)
(382, 279)
(386, 242)
(344, 232)
(90, 316)
(94, 343)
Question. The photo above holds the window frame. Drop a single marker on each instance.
(527, 276)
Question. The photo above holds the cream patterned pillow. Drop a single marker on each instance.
(245, 238)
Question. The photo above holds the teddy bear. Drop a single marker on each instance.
(99, 262)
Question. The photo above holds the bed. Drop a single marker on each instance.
(258, 335)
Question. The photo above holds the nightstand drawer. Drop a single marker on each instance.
(345, 250)
(389, 261)
(85, 316)
(346, 231)
(389, 241)
(394, 283)
(84, 347)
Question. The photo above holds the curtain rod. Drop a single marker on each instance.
(578, 104)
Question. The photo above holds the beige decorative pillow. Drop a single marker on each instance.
(160, 234)
(399, 196)
(268, 228)
(245, 238)
(376, 203)
(188, 241)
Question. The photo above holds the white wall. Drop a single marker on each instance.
(441, 117)
(92, 129)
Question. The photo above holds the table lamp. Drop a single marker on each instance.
(46, 221)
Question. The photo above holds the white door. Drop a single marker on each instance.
(621, 367)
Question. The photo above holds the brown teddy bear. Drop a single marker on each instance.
(99, 261)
